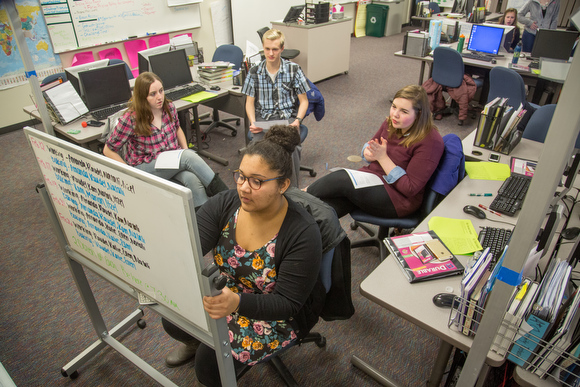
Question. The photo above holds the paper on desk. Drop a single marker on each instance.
(363, 179)
(484, 170)
(459, 235)
(168, 159)
(67, 102)
(197, 97)
(266, 125)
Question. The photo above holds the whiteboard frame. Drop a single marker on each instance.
(215, 335)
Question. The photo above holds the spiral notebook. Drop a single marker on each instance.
(65, 103)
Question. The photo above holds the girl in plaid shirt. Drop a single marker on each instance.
(150, 127)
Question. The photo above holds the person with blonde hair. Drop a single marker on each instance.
(276, 90)
(150, 127)
(404, 153)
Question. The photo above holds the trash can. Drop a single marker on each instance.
(376, 19)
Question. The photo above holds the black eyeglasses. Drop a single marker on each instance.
(254, 182)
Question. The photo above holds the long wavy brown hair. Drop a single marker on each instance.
(140, 105)
(423, 124)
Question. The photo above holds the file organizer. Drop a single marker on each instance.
(487, 137)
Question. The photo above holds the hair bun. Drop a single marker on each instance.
(284, 135)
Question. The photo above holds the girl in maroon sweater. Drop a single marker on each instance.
(404, 153)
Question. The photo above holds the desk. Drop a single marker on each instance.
(416, 306)
(324, 48)
(227, 99)
(501, 61)
(526, 149)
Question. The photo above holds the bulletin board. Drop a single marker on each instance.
(74, 24)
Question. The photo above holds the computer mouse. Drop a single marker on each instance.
(570, 233)
(443, 300)
(472, 210)
(216, 88)
(493, 61)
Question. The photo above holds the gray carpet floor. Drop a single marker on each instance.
(43, 324)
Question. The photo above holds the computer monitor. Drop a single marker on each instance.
(143, 56)
(485, 39)
(172, 68)
(106, 86)
(72, 73)
(508, 35)
(293, 14)
(553, 44)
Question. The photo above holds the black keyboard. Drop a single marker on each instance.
(511, 194)
(496, 239)
(184, 92)
(470, 55)
(108, 111)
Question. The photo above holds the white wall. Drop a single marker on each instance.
(14, 99)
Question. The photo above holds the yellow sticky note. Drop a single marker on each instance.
(197, 97)
(483, 170)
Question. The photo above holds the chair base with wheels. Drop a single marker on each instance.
(216, 122)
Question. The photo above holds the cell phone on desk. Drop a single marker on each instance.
(494, 157)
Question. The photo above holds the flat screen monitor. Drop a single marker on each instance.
(293, 14)
(72, 73)
(143, 56)
(553, 44)
(485, 39)
(106, 86)
(172, 68)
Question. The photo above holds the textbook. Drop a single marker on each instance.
(417, 261)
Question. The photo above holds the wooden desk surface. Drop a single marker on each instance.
(387, 286)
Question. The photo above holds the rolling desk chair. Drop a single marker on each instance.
(538, 125)
(448, 71)
(504, 82)
(52, 78)
(434, 7)
(288, 53)
(451, 168)
(235, 55)
(127, 68)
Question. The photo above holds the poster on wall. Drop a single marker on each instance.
(12, 72)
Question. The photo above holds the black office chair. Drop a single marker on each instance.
(288, 53)
(127, 68)
(451, 168)
(235, 55)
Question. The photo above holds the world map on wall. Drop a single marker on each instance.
(12, 71)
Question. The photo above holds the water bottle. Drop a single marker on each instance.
(460, 43)
(517, 52)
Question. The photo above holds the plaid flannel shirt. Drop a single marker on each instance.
(143, 149)
(280, 98)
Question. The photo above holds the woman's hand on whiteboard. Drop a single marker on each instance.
(221, 305)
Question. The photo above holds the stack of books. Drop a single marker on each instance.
(497, 128)
(215, 72)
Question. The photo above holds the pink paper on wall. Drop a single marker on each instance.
(132, 47)
(158, 40)
(111, 53)
(82, 57)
